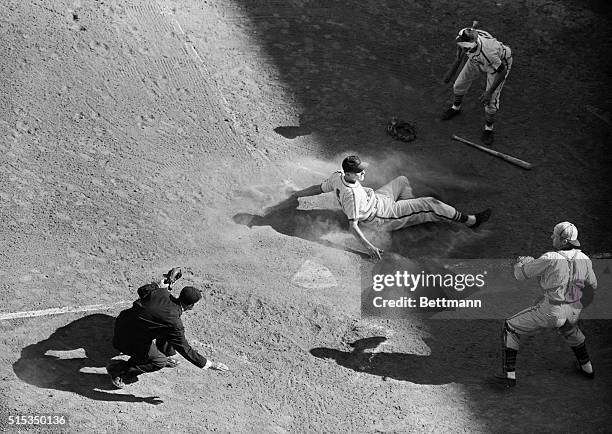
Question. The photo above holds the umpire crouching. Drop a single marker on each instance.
(155, 316)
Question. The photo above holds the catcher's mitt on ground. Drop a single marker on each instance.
(401, 130)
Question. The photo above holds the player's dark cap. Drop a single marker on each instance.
(190, 295)
(353, 164)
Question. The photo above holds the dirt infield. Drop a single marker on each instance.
(141, 135)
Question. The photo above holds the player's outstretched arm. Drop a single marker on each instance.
(374, 251)
(292, 200)
(313, 190)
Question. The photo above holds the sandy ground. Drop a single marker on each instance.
(141, 135)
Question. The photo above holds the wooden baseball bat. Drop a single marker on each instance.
(506, 157)
(458, 62)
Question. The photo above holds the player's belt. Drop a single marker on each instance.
(559, 303)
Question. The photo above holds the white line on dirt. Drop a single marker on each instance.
(61, 310)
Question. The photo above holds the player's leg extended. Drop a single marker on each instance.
(410, 212)
(397, 189)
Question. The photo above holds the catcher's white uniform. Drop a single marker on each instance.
(391, 207)
(563, 275)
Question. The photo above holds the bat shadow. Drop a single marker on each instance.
(73, 359)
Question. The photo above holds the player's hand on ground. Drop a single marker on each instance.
(218, 366)
(375, 252)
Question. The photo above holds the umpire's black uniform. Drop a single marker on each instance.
(155, 316)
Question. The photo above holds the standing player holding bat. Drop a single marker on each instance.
(485, 55)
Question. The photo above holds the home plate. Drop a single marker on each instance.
(312, 275)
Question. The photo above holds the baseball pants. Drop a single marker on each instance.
(544, 315)
(146, 358)
(397, 207)
(469, 73)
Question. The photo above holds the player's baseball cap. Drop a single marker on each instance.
(190, 295)
(567, 231)
(353, 164)
(467, 38)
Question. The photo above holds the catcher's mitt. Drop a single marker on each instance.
(401, 130)
(173, 275)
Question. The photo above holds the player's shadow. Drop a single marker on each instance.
(423, 240)
(73, 359)
(291, 132)
(311, 225)
(446, 364)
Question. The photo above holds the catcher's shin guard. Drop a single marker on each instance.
(508, 354)
(581, 353)
(584, 361)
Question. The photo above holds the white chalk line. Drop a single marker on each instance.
(62, 310)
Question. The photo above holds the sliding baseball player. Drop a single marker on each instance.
(485, 55)
(563, 274)
(391, 207)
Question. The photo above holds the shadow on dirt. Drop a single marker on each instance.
(415, 368)
(310, 225)
(423, 240)
(291, 132)
(73, 359)
(546, 365)
(352, 65)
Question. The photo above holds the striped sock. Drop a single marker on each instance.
(457, 102)
(581, 354)
(510, 360)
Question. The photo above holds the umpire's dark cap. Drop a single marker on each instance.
(190, 295)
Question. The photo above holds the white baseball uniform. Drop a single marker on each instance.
(487, 58)
(391, 207)
(562, 275)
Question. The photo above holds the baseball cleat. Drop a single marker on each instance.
(502, 380)
(113, 370)
(585, 374)
(487, 137)
(449, 114)
(481, 217)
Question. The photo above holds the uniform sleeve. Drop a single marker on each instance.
(177, 339)
(532, 269)
(328, 184)
(495, 61)
(347, 202)
(591, 279)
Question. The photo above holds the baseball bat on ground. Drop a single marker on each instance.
(458, 62)
(506, 157)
